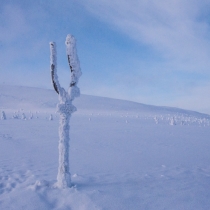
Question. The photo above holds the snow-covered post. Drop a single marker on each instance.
(65, 106)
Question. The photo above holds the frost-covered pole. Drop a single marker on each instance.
(65, 106)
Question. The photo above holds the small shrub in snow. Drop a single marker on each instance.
(51, 117)
(172, 121)
(3, 115)
(156, 120)
(15, 116)
(31, 116)
(23, 117)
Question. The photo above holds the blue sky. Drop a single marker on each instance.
(152, 52)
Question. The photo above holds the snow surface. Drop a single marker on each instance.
(123, 155)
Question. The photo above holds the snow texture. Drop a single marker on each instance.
(114, 165)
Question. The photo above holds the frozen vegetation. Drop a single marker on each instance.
(123, 155)
(65, 107)
(3, 115)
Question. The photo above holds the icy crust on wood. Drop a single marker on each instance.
(65, 109)
(64, 176)
(53, 67)
(65, 106)
(74, 66)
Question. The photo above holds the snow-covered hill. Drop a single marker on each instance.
(123, 155)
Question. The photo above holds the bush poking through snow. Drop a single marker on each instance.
(15, 116)
(51, 118)
(172, 121)
(156, 120)
(23, 117)
(3, 115)
(31, 116)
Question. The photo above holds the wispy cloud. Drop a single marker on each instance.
(178, 32)
(177, 28)
(156, 51)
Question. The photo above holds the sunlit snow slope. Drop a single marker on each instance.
(123, 155)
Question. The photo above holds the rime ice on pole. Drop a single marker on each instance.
(74, 66)
(65, 106)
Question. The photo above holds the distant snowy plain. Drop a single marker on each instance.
(123, 155)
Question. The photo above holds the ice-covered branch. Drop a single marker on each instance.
(53, 67)
(74, 65)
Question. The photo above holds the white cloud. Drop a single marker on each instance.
(174, 28)
(179, 31)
